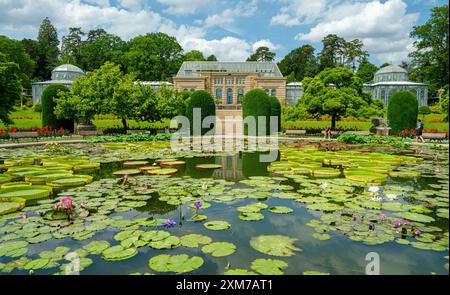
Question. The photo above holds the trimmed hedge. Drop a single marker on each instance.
(203, 100)
(256, 103)
(275, 110)
(48, 106)
(402, 111)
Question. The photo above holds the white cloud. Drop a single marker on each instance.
(182, 7)
(228, 16)
(383, 27)
(267, 43)
(225, 49)
(296, 12)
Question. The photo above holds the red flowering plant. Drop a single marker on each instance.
(65, 205)
(407, 133)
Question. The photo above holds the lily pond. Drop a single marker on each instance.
(139, 208)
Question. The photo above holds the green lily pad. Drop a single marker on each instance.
(26, 192)
(194, 240)
(219, 249)
(163, 171)
(275, 245)
(208, 166)
(37, 263)
(321, 237)
(280, 209)
(217, 225)
(9, 207)
(96, 247)
(268, 266)
(415, 217)
(134, 163)
(324, 207)
(129, 172)
(118, 252)
(175, 263)
(251, 216)
(167, 243)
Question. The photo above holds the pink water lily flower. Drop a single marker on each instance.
(23, 216)
(397, 223)
(417, 232)
(382, 216)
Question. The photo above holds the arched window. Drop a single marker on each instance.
(240, 94)
(219, 93)
(229, 96)
(273, 92)
(192, 89)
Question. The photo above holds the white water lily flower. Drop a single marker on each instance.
(391, 197)
(374, 189)
(204, 186)
(324, 185)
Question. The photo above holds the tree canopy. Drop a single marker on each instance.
(430, 59)
(335, 92)
(10, 88)
(262, 53)
(48, 49)
(299, 63)
(153, 57)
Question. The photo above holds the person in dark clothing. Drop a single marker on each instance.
(419, 131)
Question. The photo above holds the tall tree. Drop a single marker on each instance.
(48, 49)
(10, 88)
(366, 70)
(354, 52)
(343, 97)
(71, 46)
(212, 57)
(194, 55)
(14, 51)
(32, 48)
(430, 59)
(299, 63)
(262, 53)
(154, 56)
(332, 52)
(100, 47)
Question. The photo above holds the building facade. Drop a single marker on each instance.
(63, 74)
(389, 80)
(228, 82)
(294, 92)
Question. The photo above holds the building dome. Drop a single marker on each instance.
(66, 72)
(391, 73)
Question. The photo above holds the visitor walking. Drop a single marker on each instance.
(419, 131)
(327, 133)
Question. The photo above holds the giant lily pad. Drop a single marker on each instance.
(269, 266)
(163, 171)
(275, 245)
(208, 166)
(175, 263)
(27, 192)
(219, 249)
(135, 163)
(129, 172)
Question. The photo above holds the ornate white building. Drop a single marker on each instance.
(391, 79)
(63, 74)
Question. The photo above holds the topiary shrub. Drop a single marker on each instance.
(275, 110)
(256, 103)
(402, 111)
(203, 100)
(48, 106)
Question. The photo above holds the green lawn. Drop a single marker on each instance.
(30, 119)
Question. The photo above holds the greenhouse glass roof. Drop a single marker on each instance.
(195, 68)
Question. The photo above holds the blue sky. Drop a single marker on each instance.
(232, 29)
